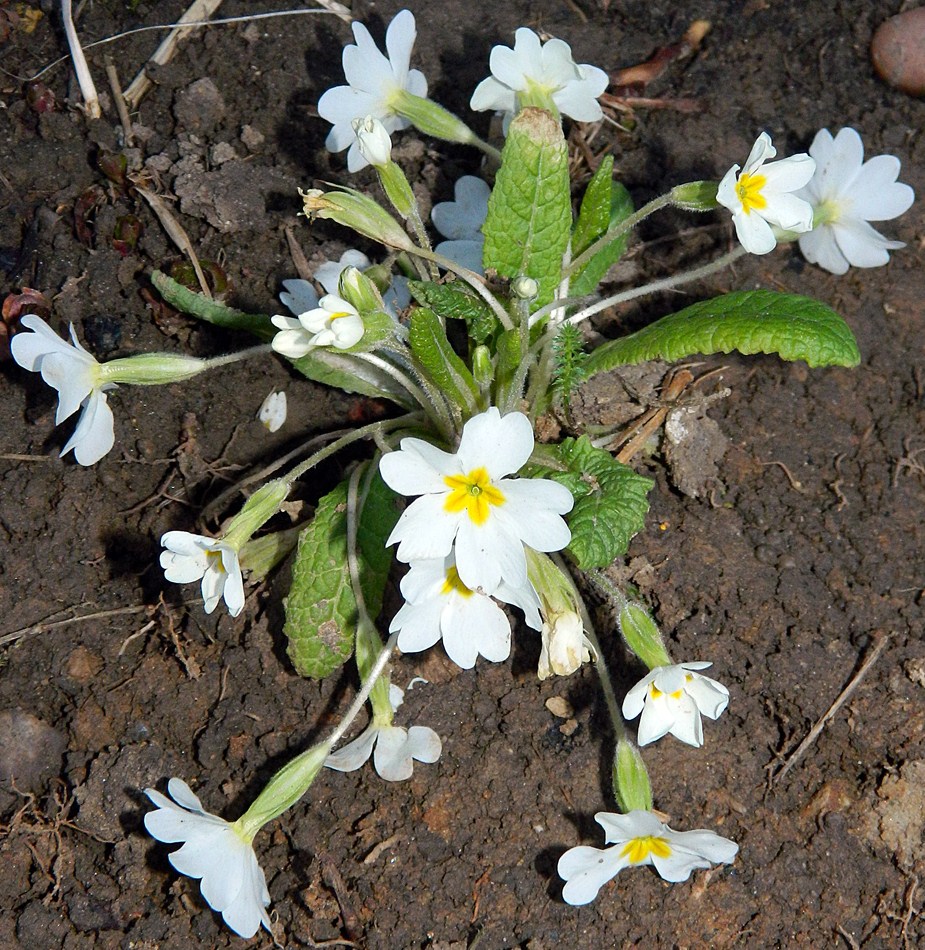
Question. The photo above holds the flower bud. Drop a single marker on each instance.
(526, 288)
(373, 140)
(357, 289)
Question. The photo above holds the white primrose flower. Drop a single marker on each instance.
(334, 322)
(639, 838)
(846, 192)
(763, 195)
(300, 296)
(273, 411)
(214, 851)
(192, 557)
(393, 748)
(461, 222)
(672, 699)
(466, 500)
(532, 73)
(373, 80)
(75, 374)
(439, 605)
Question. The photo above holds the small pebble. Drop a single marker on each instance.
(898, 51)
(560, 707)
(30, 750)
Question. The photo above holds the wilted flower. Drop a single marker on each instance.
(214, 851)
(639, 838)
(466, 500)
(438, 605)
(672, 699)
(763, 195)
(373, 141)
(191, 557)
(846, 192)
(334, 322)
(393, 748)
(461, 222)
(374, 81)
(565, 646)
(543, 75)
(75, 374)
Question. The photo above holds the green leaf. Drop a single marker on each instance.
(610, 501)
(211, 311)
(594, 214)
(321, 610)
(452, 302)
(439, 360)
(529, 212)
(750, 321)
(620, 207)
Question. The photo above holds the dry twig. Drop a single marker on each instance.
(880, 643)
(84, 79)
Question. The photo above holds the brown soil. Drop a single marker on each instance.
(804, 549)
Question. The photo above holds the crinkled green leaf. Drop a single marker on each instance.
(750, 321)
(209, 310)
(321, 610)
(611, 501)
(452, 302)
(439, 360)
(529, 212)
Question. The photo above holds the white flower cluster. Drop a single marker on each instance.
(464, 535)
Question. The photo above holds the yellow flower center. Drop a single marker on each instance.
(472, 493)
(638, 849)
(748, 188)
(214, 559)
(453, 582)
(655, 692)
(339, 314)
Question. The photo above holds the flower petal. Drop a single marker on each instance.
(586, 870)
(95, 432)
(350, 757)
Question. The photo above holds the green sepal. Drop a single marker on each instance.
(642, 635)
(452, 302)
(439, 360)
(611, 500)
(609, 204)
(321, 610)
(529, 212)
(750, 321)
(631, 786)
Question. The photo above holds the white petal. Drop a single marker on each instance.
(424, 530)
(586, 871)
(399, 40)
(465, 253)
(298, 296)
(248, 911)
(293, 344)
(656, 721)
(424, 744)
(418, 468)
(425, 579)
(95, 433)
(754, 233)
(493, 96)
(351, 756)
(788, 174)
(820, 247)
(876, 195)
(392, 757)
(474, 626)
(713, 847)
(862, 245)
(619, 829)
(761, 151)
(72, 376)
(419, 625)
(635, 699)
(788, 212)
(502, 444)
(711, 697)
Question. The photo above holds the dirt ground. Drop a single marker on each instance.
(800, 554)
